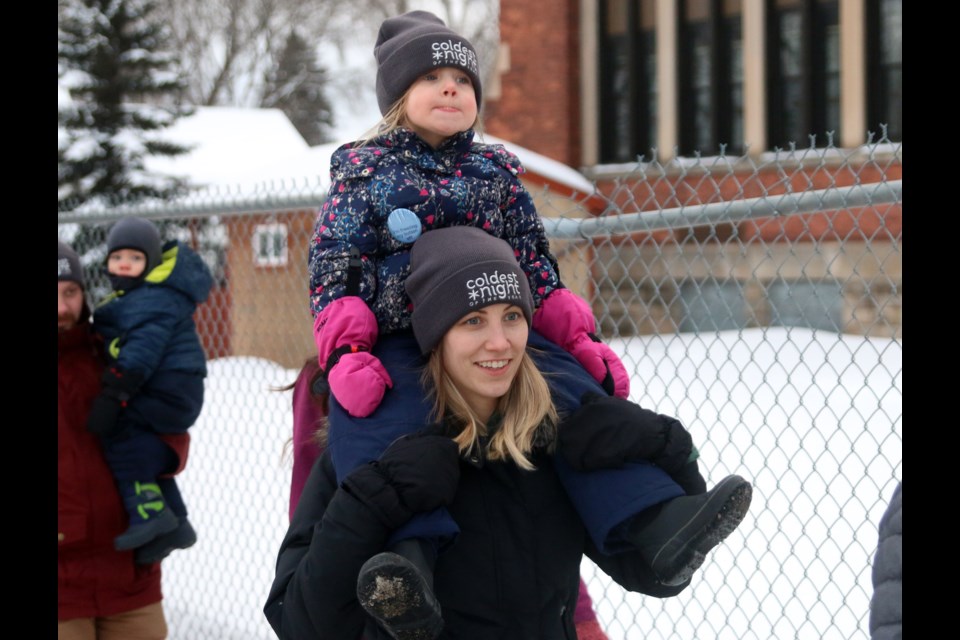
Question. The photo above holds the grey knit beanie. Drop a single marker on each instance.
(68, 264)
(456, 270)
(139, 234)
(410, 45)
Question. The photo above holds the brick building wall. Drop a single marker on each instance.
(835, 253)
(539, 105)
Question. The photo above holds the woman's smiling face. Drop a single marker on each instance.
(481, 354)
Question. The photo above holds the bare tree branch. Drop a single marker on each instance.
(228, 46)
(231, 49)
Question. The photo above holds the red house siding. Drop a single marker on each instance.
(213, 323)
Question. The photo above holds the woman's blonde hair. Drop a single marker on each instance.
(396, 118)
(527, 413)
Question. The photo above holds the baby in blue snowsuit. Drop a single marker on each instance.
(154, 382)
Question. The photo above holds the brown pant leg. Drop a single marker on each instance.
(147, 623)
(77, 629)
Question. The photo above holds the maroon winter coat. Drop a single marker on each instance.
(93, 580)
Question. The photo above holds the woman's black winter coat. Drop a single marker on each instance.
(512, 573)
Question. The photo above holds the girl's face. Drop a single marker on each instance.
(481, 354)
(126, 262)
(441, 104)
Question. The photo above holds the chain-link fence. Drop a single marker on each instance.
(759, 300)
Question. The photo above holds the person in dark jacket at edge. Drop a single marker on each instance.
(102, 593)
(513, 570)
(886, 604)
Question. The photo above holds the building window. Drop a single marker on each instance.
(884, 68)
(803, 72)
(270, 245)
(811, 304)
(628, 80)
(711, 76)
(706, 306)
(715, 305)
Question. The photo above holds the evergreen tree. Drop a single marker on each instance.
(123, 84)
(296, 87)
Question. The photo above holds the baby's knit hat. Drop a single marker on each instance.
(410, 45)
(456, 270)
(68, 264)
(139, 234)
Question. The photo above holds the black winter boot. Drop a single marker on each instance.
(676, 540)
(396, 589)
(149, 515)
(183, 537)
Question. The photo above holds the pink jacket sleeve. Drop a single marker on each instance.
(585, 619)
(307, 412)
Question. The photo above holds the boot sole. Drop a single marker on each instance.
(736, 500)
(139, 535)
(183, 537)
(392, 591)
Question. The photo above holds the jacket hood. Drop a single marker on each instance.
(182, 269)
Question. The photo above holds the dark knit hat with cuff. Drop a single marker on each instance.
(68, 264)
(456, 270)
(410, 45)
(139, 234)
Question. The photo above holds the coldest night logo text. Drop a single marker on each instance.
(493, 287)
(454, 54)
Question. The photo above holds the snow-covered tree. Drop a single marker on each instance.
(297, 87)
(122, 83)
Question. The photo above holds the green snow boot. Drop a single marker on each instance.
(183, 537)
(149, 515)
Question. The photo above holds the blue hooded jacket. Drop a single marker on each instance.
(150, 328)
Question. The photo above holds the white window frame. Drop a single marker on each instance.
(273, 256)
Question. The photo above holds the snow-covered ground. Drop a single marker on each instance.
(814, 419)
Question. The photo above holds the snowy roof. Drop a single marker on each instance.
(228, 142)
(546, 167)
(234, 146)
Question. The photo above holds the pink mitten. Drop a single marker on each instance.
(567, 320)
(358, 382)
(345, 331)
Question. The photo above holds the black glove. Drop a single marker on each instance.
(607, 432)
(417, 473)
(117, 387)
